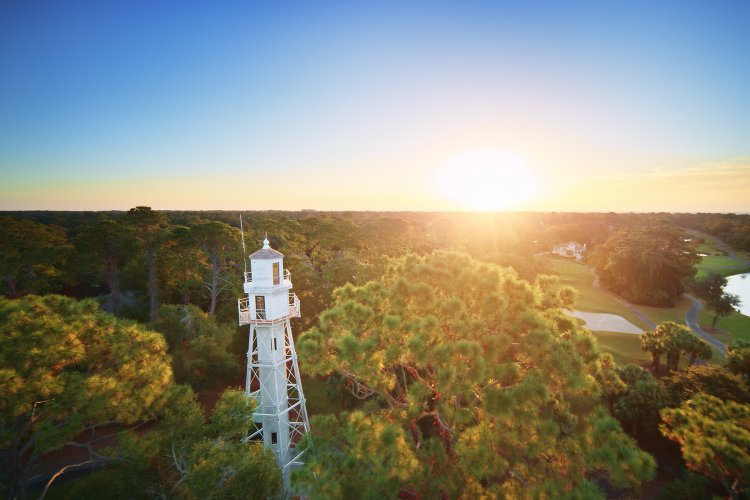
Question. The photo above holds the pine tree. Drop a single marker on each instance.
(714, 436)
(464, 367)
(66, 367)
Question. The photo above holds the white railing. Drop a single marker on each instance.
(286, 279)
(249, 314)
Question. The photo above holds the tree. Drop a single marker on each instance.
(672, 339)
(102, 247)
(724, 306)
(694, 347)
(191, 458)
(710, 380)
(66, 367)
(464, 368)
(655, 344)
(646, 265)
(738, 358)
(640, 402)
(221, 245)
(198, 345)
(714, 436)
(30, 256)
(711, 290)
(150, 227)
(183, 262)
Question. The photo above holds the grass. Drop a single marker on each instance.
(589, 298)
(737, 325)
(625, 347)
(726, 271)
(710, 247)
(718, 262)
(661, 314)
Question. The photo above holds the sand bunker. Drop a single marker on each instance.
(606, 322)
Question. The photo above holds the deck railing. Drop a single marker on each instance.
(249, 314)
(286, 279)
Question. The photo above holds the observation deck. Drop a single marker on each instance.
(250, 315)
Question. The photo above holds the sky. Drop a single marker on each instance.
(620, 105)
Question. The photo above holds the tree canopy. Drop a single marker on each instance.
(190, 457)
(31, 256)
(646, 265)
(714, 436)
(65, 366)
(465, 368)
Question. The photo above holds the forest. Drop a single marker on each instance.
(442, 340)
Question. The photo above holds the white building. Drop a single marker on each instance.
(272, 370)
(570, 249)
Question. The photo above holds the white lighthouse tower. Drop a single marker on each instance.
(272, 371)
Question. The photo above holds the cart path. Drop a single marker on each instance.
(692, 321)
(691, 317)
(721, 245)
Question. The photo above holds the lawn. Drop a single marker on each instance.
(718, 262)
(726, 271)
(710, 247)
(625, 347)
(659, 315)
(589, 298)
(737, 325)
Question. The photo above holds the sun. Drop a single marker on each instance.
(486, 179)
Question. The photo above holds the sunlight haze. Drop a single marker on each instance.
(593, 106)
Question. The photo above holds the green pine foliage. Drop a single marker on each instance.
(464, 368)
(190, 457)
(738, 358)
(201, 348)
(690, 487)
(709, 379)
(66, 366)
(33, 256)
(714, 437)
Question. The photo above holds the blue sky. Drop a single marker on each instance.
(333, 105)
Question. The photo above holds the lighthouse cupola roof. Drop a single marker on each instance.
(266, 252)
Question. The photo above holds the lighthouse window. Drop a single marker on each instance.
(275, 347)
(276, 277)
(260, 307)
(274, 440)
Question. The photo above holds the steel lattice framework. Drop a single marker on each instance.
(272, 371)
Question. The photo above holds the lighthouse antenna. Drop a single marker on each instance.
(242, 233)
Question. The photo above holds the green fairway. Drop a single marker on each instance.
(737, 325)
(589, 298)
(710, 247)
(718, 262)
(660, 314)
(625, 347)
(726, 271)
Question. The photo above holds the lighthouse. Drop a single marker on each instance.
(272, 370)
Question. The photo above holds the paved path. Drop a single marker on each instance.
(692, 321)
(721, 245)
(606, 322)
(691, 318)
(624, 302)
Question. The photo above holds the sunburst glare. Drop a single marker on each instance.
(486, 179)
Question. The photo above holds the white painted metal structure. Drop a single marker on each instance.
(272, 370)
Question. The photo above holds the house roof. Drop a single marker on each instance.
(266, 252)
(575, 244)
